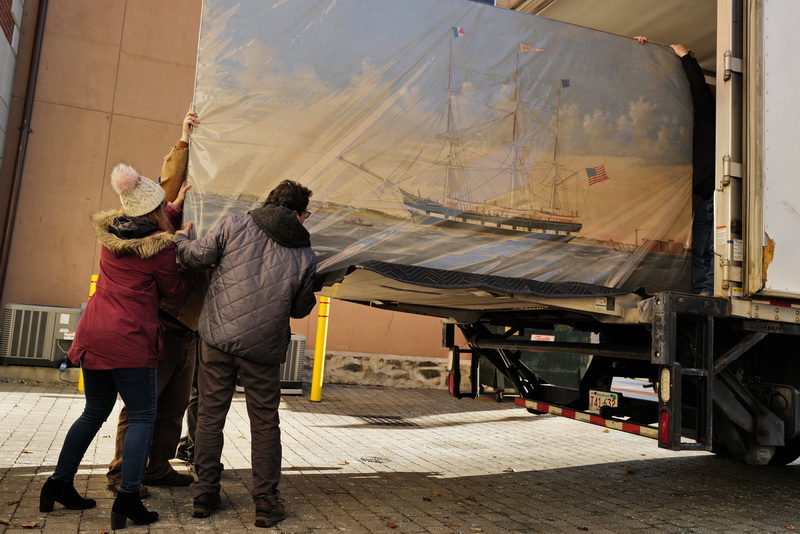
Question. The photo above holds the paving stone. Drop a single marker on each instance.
(370, 459)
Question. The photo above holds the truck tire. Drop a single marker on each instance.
(786, 454)
(732, 442)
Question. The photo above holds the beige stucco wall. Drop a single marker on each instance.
(114, 84)
(357, 328)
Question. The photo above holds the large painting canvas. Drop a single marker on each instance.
(449, 134)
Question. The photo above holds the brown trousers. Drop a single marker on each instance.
(175, 372)
(216, 381)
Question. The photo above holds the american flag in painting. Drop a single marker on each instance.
(596, 174)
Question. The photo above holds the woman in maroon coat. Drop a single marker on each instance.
(118, 340)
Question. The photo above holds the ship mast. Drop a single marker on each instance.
(454, 186)
(517, 162)
(449, 184)
(554, 200)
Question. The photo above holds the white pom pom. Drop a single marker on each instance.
(124, 178)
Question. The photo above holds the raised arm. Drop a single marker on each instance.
(173, 172)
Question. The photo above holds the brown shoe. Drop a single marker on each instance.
(173, 478)
(144, 491)
(203, 506)
(269, 515)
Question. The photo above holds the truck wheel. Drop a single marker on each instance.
(732, 442)
(786, 454)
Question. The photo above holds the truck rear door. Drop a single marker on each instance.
(771, 185)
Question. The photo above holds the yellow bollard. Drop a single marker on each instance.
(93, 284)
(319, 350)
(92, 289)
(80, 379)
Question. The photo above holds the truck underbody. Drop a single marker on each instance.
(725, 384)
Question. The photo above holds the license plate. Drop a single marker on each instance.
(598, 399)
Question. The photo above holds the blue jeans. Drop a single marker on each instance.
(703, 248)
(137, 387)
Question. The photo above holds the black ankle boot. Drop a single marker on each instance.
(64, 492)
(129, 506)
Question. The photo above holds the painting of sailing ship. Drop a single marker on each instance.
(533, 204)
(474, 139)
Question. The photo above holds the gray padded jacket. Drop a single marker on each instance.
(263, 275)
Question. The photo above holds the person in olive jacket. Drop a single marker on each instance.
(176, 369)
(118, 340)
(263, 275)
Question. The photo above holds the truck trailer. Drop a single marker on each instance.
(534, 287)
(724, 369)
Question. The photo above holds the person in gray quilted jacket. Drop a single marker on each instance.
(263, 275)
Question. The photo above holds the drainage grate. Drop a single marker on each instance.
(385, 420)
(375, 460)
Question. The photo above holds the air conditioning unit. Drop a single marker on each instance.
(37, 335)
(292, 370)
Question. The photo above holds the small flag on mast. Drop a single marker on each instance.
(458, 31)
(596, 174)
(523, 47)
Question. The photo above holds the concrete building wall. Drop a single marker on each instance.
(113, 85)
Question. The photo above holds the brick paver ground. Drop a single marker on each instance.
(370, 460)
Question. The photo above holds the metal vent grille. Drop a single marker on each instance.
(36, 335)
(386, 420)
(292, 369)
(27, 333)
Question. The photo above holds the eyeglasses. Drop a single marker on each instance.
(306, 214)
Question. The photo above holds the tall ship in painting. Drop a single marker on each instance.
(485, 161)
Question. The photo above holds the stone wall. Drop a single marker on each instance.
(343, 368)
(361, 369)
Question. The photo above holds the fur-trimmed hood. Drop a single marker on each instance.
(144, 247)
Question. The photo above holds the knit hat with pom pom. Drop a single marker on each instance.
(139, 195)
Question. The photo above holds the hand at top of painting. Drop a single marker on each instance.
(189, 121)
(679, 49)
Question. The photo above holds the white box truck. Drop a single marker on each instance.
(724, 371)
(363, 101)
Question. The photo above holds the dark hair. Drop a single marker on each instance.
(289, 194)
